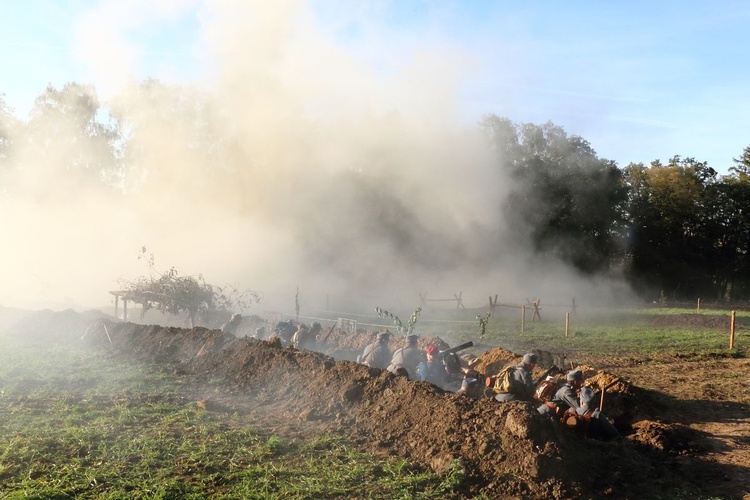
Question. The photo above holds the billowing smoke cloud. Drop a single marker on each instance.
(298, 161)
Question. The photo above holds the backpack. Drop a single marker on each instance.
(501, 382)
(545, 390)
(575, 421)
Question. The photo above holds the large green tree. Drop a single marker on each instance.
(673, 229)
(564, 201)
(732, 218)
(70, 136)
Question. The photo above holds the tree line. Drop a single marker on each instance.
(675, 229)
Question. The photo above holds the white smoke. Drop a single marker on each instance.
(296, 160)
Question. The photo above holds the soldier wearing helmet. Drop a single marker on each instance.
(301, 338)
(378, 354)
(596, 425)
(408, 357)
(521, 384)
(566, 397)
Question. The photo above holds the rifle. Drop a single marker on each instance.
(452, 364)
(454, 350)
(329, 333)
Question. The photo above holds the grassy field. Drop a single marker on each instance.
(77, 424)
(620, 334)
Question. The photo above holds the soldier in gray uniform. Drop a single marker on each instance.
(521, 384)
(565, 397)
(306, 338)
(408, 358)
(299, 339)
(378, 354)
(596, 424)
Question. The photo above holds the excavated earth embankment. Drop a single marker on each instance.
(506, 450)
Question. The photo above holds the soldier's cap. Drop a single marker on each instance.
(384, 336)
(575, 376)
(317, 325)
(412, 339)
(468, 382)
(432, 349)
(530, 358)
(587, 395)
(236, 316)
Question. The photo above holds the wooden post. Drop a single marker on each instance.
(574, 306)
(699, 305)
(536, 313)
(601, 401)
(523, 319)
(493, 304)
(107, 332)
(567, 324)
(460, 302)
(117, 306)
(124, 309)
(731, 329)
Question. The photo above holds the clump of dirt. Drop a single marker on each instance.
(493, 361)
(672, 439)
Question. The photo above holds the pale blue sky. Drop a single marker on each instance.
(639, 80)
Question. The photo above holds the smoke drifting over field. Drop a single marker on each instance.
(300, 162)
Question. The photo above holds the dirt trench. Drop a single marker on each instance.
(507, 450)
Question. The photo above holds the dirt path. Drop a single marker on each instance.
(711, 396)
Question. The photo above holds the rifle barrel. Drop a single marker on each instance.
(460, 347)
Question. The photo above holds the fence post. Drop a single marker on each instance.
(699, 305)
(731, 329)
(567, 323)
(523, 319)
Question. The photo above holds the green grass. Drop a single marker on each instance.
(623, 333)
(77, 424)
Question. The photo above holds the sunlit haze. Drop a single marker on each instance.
(352, 166)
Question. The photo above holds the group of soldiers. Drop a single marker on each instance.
(300, 336)
(441, 368)
(569, 403)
